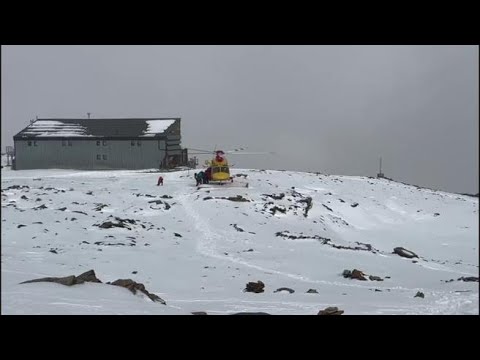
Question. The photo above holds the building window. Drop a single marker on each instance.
(34, 143)
(98, 142)
(104, 157)
(99, 157)
(132, 142)
(69, 142)
(63, 143)
(29, 143)
(104, 142)
(139, 143)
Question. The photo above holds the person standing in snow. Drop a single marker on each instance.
(160, 181)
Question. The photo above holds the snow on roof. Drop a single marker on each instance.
(55, 128)
(157, 126)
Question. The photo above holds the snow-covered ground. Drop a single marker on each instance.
(198, 253)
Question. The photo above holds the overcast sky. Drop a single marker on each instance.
(331, 109)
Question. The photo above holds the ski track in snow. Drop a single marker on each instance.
(206, 246)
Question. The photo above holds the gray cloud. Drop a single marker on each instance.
(332, 109)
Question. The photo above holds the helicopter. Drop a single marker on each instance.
(218, 168)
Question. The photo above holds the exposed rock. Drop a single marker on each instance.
(404, 253)
(354, 205)
(274, 209)
(87, 276)
(420, 294)
(134, 287)
(41, 207)
(237, 228)
(274, 196)
(99, 207)
(23, 197)
(436, 214)
(333, 310)
(312, 291)
(255, 287)
(326, 207)
(238, 198)
(20, 226)
(468, 279)
(291, 291)
(199, 313)
(375, 278)
(53, 251)
(62, 209)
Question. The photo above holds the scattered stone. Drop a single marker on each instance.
(420, 294)
(354, 205)
(62, 209)
(331, 311)
(312, 291)
(468, 279)
(20, 226)
(199, 313)
(255, 287)
(23, 197)
(239, 229)
(41, 207)
(326, 207)
(80, 212)
(99, 207)
(436, 214)
(238, 198)
(291, 291)
(375, 278)
(177, 235)
(404, 253)
(134, 272)
(53, 251)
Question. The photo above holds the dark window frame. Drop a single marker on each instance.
(104, 156)
(104, 142)
(29, 143)
(132, 143)
(64, 142)
(98, 142)
(99, 157)
(139, 143)
(69, 142)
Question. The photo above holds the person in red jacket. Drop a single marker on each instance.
(160, 180)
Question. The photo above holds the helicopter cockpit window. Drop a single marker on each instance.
(224, 169)
(215, 170)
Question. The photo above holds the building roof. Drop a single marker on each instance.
(103, 128)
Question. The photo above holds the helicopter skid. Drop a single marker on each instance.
(220, 184)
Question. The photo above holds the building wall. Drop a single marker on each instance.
(82, 154)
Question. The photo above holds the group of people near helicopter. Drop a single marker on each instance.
(203, 177)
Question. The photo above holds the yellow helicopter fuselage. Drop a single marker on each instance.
(220, 170)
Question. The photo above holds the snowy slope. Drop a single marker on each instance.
(198, 254)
